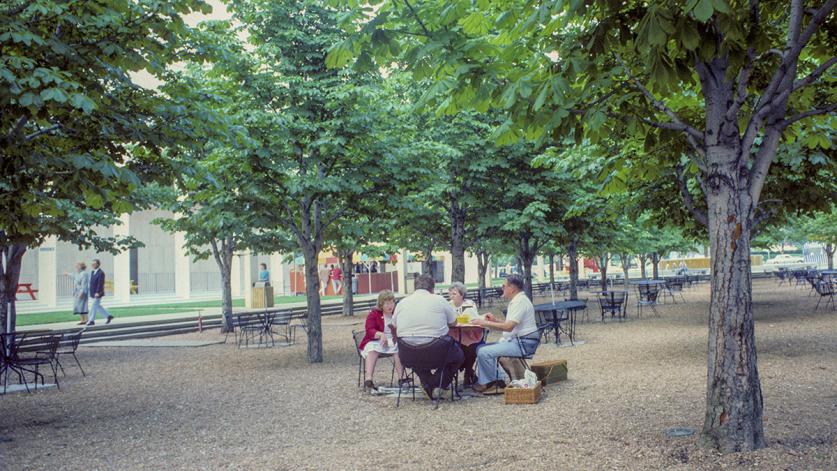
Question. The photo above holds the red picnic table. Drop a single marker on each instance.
(26, 288)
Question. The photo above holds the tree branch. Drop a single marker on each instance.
(659, 104)
(675, 127)
(807, 80)
(42, 131)
(18, 127)
(421, 23)
(792, 119)
(700, 216)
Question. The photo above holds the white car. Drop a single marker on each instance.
(784, 259)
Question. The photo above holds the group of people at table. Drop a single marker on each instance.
(437, 338)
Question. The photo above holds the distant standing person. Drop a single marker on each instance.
(97, 292)
(336, 275)
(373, 268)
(324, 274)
(264, 275)
(81, 289)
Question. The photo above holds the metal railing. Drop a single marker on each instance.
(204, 281)
(153, 283)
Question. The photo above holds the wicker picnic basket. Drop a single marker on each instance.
(523, 395)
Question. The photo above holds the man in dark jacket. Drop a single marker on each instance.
(97, 292)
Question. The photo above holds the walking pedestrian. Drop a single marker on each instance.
(81, 289)
(97, 292)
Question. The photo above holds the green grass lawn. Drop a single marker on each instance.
(66, 316)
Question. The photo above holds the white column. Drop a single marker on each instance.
(182, 267)
(47, 273)
(448, 258)
(541, 267)
(247, 278)
(235, 275)
(279, 274)
(472, 272)
(122, 263)
(401, 266)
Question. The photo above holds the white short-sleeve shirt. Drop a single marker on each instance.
(423, 314)
(522, 312)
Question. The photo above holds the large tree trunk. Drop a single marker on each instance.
(312, 297)
(560, 262)
(572, 258)
(603, 261)
(655, 262)
(457, 241)
(348, 273)
(829, 253)
(733, 419)
(626, 266)
(10, 264)
(223, 255)
(642, 259)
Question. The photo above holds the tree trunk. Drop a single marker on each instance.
(572, 258)
(457, 242)
(223, 258)
(603, 261)
(829, 253)
(551, 269)
(427, 263)
(526, 256)
(642, 259)
(655, 261)
(733, 419)
(10, 264)
(482, 268)
(348, 273)
(560, 262)
(626, 266)
(312, 297)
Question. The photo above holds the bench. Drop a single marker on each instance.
(27, 289)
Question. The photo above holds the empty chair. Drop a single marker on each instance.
(647, 297)
(68, 346)
(825, 290)
(613, 303)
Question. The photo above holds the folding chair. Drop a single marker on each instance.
(528, 346)
(357, 336)
(409, 366)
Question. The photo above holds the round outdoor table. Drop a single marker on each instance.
(570, 307)
(829, 272)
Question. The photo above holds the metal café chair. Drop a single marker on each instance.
(647, 297)
(357, 336)
(613, 303)
(825, 290)
(408, 368)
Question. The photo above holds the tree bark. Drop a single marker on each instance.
(829, 253)
(223, 255)
(655, 261)
(626, 266)
(312, 297)
(560, 262)
(457, 241)
(526, 256)
(551, 269)
(734, 405)
(348, 297)
(603, 261)
(10, 264)
(482, 268)
(427, 263)
(572, 257)
(642, 259)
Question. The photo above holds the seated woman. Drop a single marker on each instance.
(379, 339)
(471, 338)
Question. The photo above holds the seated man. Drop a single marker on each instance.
(520, 323)
(421, 322)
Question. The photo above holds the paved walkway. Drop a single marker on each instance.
(207, 311)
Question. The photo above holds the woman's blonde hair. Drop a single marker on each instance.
(81, 265)
(384, 296)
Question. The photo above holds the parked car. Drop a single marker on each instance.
(785, 259)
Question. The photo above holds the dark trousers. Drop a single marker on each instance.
(470, 353)
(441, 354)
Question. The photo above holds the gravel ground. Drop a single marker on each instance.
(217, 407)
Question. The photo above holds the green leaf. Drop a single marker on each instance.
(703, 10)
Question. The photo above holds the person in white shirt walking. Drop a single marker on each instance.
(519, 325)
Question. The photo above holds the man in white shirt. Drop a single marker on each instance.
(519, 329)
(421, 322)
